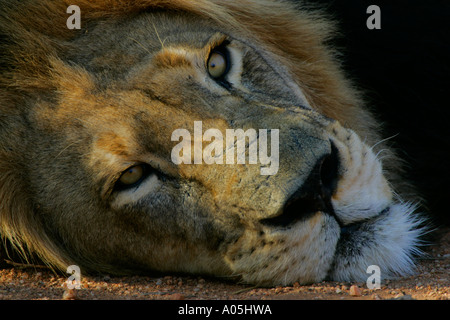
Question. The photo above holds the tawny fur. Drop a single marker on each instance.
(37, 42)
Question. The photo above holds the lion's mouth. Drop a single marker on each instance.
(356, 226)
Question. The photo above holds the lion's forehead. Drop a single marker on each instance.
(134, 41)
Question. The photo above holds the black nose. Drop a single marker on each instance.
(315, 193)
(328, 170)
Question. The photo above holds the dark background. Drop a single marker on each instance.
(404, 70)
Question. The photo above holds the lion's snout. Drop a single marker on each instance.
(315, 193)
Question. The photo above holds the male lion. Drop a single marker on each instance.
(87, 116)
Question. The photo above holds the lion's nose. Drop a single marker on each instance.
(315, 193)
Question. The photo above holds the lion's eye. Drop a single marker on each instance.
(133, 176)
(218, 64)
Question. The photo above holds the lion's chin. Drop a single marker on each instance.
(390, 241)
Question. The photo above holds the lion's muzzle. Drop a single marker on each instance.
(315, 193)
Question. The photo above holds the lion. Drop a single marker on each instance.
(87, 116)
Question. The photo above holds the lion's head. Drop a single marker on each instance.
(87, 122)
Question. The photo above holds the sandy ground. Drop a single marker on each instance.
(432, 282)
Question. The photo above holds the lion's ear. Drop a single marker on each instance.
(20, 229)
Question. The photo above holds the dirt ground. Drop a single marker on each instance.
(432, 282)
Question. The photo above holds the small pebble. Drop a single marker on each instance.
(177, 296)
(403, 297)
(354, 291)
(70, 294)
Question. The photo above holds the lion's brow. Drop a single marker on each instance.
(171, 58)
